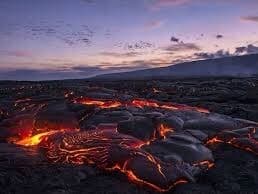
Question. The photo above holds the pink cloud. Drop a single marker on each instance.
(250, 18)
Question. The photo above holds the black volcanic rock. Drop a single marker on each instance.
(197, 134)
(174, 122)
(55, 116)
(17, 125)
(181, 147)
(103, 116)
(140, 127)
(212, 124)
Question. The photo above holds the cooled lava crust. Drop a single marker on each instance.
(155, 144)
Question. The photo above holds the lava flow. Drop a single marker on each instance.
(109, 150)
(140, 103)
(100, 103)
(246, 142)
(35, 139)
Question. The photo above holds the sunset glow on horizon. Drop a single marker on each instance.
(60, 39)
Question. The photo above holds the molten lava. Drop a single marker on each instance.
(110, 150)
(100, 103)
(163, 130)
(206, 163)
(248, 142)
(36, 139)
(140, 103)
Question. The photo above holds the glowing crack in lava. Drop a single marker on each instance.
(140, 103)
(163, 130)
(240, 138)
(100, 103)
(107, 149)
(111, 150)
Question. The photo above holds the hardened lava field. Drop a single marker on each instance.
(130, 137)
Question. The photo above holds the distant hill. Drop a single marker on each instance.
(239, 66)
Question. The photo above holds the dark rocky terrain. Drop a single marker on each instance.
(137, 127)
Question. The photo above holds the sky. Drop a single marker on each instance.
(63, 39)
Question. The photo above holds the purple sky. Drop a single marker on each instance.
(59, 39)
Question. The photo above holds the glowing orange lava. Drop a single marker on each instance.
(110, 150)
(140, 103)
(214, 140)
(100, 103)
(163, 130)
(247, 142)
(207, 163)
(132, 177)
(107, 149)
(36, 139)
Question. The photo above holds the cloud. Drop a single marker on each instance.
(249, 49)
(135, 46)
(250, 18)
(240, 50)
(219, 36)
(139, 45)
(126, 66)
(153, 25)
(120, 55)
(70, 72)
(217, 54)
(182, 47)
(174, 39)
(16, 53)
(146, 63)
(48, 74)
